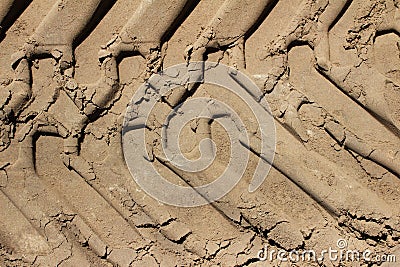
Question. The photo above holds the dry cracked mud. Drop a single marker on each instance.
(329, 70)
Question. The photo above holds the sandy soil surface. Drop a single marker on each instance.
(328, 69)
